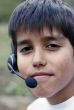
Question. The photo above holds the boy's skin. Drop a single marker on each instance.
(50, 57)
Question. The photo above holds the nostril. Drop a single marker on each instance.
(38, 64)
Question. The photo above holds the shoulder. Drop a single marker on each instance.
(38, 104)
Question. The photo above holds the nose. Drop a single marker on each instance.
(39, 59)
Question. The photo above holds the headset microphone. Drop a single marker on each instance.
(30, 81)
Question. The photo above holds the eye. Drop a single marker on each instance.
(26, 49)
(53, 47)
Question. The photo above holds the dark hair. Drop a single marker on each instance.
(33, 15)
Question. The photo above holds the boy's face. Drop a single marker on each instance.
(48, 57)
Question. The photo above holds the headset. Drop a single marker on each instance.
(13, 68)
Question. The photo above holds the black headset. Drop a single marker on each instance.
(13, 68)
(12, 61)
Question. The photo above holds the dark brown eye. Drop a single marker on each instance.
(53, 47)
(26, 49)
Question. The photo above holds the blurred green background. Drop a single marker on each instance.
(10, 84)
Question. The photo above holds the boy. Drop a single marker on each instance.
(42, 33)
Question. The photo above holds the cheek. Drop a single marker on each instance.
(64, 68)
(22, 64)
(64, 65)
(62, 62)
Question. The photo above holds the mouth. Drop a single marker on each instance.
(42, 76)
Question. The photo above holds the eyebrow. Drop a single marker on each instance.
(22, 42)
(44, 39)
(47, 38)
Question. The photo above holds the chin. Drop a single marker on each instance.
(41, 93)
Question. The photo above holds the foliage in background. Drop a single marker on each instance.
(70, 2)
(6, 8)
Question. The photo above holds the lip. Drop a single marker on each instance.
(42, 74)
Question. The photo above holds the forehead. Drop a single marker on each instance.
(43, 33)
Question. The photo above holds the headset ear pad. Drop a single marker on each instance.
(12, 63)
